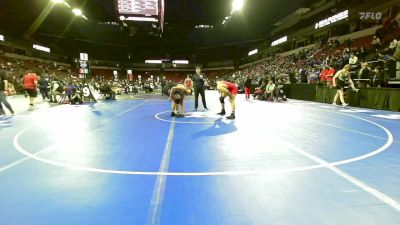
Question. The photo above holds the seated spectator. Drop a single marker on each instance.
(353, 59)
(280, 91)
(269, 91)
(260, 90)
(376, 42)
(76, 95)
(313, 77)
(56, 88)
(107, 91)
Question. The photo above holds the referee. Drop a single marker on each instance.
(199, 88)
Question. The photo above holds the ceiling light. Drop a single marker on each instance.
(237, 5)
(77, 12)
(57, 1)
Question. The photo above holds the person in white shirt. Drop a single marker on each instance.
(353, 59)
(269, 91)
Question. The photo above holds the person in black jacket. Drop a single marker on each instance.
(247, 86)
(199, 88)
(43, 87)
(163, 83)
(364, 76)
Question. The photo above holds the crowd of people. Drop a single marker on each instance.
(371, 63)
(368, 61)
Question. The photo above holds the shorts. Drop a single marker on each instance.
(340, 84)
(178, 99)
(31, 92)
(234, 91)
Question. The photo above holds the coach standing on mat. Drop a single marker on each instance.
(30, 82)
(199, 88)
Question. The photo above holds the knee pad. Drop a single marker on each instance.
(221, 99)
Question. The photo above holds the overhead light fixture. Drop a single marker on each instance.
(77, 12)
(1, 37)
(237, 5)
(58, 1)
(279, 41)
(122, 18)
(255, 51)
(180, 62)
(84, 17)
(223, 22)
(41, 48)
(143, 19)
(153, 61)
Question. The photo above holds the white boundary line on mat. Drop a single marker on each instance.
(389, 141)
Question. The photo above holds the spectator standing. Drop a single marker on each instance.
(363, 76)
(247, 86)
(323, 74)
(377, 78)
(329, 76)
(4, 93)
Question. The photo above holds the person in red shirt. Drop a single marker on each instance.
(30, 82)
(323, 74)
(329, 76)
(189, 83)
(227, 89)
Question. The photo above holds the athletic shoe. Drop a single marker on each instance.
(231, 117)
(205, 108)
(345, 105)
(334, 104)
(180, 115)
(222, 113)
(173, 114)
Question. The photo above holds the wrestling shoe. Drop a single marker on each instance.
(173, 114)
(231, 117)
(222, 113)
